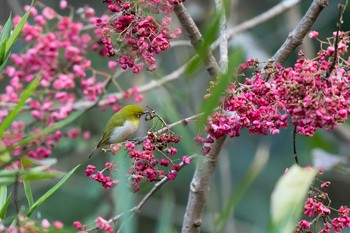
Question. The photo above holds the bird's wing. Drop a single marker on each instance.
(115, 121)
(104, 139)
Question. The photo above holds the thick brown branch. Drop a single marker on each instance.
(199, 188)
(296, 37)
(196, 39)
(206, 164)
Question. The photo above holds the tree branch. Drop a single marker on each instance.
(206, 164)
(296, 37)
(196, 39)
(200, 186)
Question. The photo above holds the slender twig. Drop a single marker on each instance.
(295, 145)
(176, 74)
(296, 37)
(336, 43)
(223, 36)
(139, 206)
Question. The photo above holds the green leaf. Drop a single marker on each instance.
(193, 65)
(165, 222)
(25, 95)
(51, 191)
(288, 198)
(260, 159)
(4, 201)
(209, 35)
(5, 156)
(209, 105)
(18, 29)
(2, 66)
(124, 200)
(2, 51)
(37, 173)
(6, 30)
(27, 190)
(45, 131)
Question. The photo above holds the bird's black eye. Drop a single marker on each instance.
(140, 114)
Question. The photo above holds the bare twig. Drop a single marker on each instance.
(143, 201)
(296, 37)
(176, 74)
(259, 19)
(336, 43)
(223, 36)
(295, 145)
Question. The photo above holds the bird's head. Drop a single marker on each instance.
(132, 111)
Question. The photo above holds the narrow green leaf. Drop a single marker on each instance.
(193, 65)
(50, 191)
(209, 35)
(4, 201)
(209, 105)
(3, 195)
(3, 64)
(260, 159)
(124, 199)
(5, 157)
(28, 190)
(25, 95)
(6, 30)
(9, 176)
(44, 132)
(288, 198)
(2, 51)
(165, 222)
(18, 29)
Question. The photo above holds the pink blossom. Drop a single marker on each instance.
(63, 4)
(49, 13)
(171, 176)
(313, 34)
(45, 223)
(103, 224)
(186, 159)
(77, 225)
(58, 225)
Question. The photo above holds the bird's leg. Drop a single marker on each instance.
(106, 150)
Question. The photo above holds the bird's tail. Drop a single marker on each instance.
(92, 152)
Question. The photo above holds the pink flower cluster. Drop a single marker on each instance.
(337, 224)
(306, 93)
(27, 225)
(58, 58)
(106, 181)
(134, 37)
(145, 163)
(100, 222)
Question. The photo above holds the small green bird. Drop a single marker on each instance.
(121, 126)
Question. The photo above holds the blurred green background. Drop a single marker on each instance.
(82, 199)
